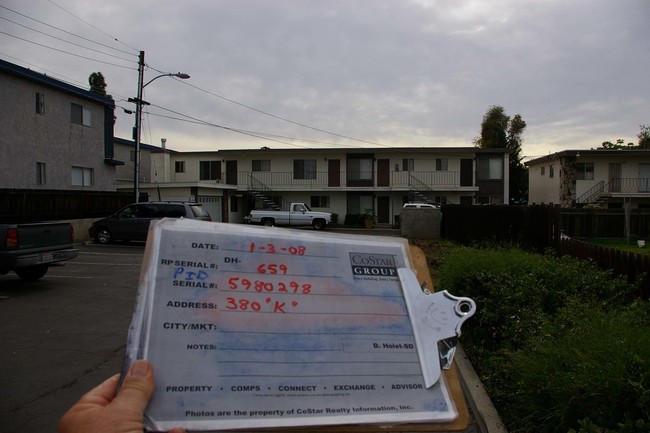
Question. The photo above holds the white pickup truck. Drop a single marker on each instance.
(299, 214)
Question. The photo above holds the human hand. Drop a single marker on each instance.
(102, 411)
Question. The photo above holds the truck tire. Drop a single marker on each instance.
(31, 273)
(103, 236)
(268, 222)
(318, 224)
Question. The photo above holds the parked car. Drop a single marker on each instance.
(420, 206)
(131, 223)
(299, 214)
(30, 249)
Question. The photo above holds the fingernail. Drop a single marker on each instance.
(140, 368)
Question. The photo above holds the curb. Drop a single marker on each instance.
(484, 411)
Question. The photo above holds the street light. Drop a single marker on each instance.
(138, 117)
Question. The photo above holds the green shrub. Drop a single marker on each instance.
(558, 343)
(596, 369)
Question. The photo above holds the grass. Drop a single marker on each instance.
(622, 244)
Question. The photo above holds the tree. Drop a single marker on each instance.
(620, 144)
(644, 137)
(498, 131)
(98, 84)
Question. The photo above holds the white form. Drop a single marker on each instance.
(254, 327)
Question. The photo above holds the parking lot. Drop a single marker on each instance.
(64, 334)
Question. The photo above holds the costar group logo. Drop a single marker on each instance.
(373, 265)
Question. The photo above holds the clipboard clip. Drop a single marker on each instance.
(436, 319)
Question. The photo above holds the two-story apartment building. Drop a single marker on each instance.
(53, 136)
(603, 177)
(341, 181)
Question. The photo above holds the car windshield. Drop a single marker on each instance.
(199, 211)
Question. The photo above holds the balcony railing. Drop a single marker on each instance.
(404, 180)
(616, 186)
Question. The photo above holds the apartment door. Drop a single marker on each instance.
(333, 172)
(383, 172)
(383, 209)
(644, 177)
(466, 172)
(231, 172)
(615, 173)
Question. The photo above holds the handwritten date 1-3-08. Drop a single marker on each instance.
(270, 248)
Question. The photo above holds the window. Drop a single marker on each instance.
(441, 164)
(261, 165)
(408, 164)
(543, 170)
(40, 103)
(179, 167)
(40, 173)
(585, 171)
(551, 171)
(82, 176)
(489, 169)
(358, 203)
(319, 201)
(81, 115)
(304, 169)
(209, 170)
(132, 155)
(360, 169)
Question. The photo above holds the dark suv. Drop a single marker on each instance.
(131, 223)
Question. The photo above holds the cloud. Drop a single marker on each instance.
(396, 73)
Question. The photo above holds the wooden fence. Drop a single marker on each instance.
(605, 223)
(21, 206)
(633, 266)
(531, 227)
(540, 227)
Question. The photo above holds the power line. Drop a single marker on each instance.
(282, 118)
(206, 123)
(64, 31)
(63, 40)
(66, 52)
(271, 115)
(258, 135)
(261, 135)
(94, 27)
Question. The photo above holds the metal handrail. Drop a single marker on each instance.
(592, 193)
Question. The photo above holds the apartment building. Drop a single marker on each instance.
(605, 178)
(349, 181)
(59, 137)
(55, 136)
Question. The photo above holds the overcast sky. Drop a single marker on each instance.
(350, 73)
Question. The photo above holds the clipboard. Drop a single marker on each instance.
(266, 328)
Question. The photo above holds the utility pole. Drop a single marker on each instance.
(138, 126)
(137, 130)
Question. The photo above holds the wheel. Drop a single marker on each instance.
(31, 273)
(268, 222)
(103, 236)
(318, 224)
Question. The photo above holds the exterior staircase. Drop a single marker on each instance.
(419, 191)
(263, 193)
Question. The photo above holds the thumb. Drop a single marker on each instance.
(137, 388)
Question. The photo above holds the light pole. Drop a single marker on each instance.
(138, 118)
